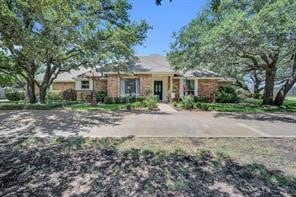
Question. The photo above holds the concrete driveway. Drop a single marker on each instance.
(164, 123)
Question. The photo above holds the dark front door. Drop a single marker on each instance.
(158, 89)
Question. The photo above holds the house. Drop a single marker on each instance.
(150, 72)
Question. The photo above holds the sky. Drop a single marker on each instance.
(164, 19)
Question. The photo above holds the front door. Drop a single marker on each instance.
(158, 89)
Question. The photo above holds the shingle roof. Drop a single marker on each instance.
(66, 76)
(154, 63)
(200, 73)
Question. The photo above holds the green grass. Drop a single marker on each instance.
(99, 107)
(249, 106)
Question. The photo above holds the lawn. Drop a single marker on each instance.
(99, 107)
(249, 106)
(148, 166)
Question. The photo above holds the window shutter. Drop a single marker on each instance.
(137, 87)
(122, 87)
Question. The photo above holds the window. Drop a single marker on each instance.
(129, 87)
(84, 84)
(189, 87)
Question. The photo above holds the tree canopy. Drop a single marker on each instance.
(243, 39)
(58, 35)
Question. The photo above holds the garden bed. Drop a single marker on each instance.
(246, 105)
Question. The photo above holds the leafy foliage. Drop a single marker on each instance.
(227, 94)
(100, 95)
(150, 102)
(55, 36)
(250, 41)
(14, 94)
(187, 102)
(54, 95)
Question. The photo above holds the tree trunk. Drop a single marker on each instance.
(280, 97)
(30, 92)
(256, 93)
(42, 94)
(270, 73)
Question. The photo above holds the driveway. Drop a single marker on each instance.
(164, 123)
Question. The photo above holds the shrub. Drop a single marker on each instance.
(204, 107)
(54, 95)
(14, 95)
(117, 100)
(108, 100)
(70, 95)
(137, 104)
(100, 95)
(227, 94)
(129, 107)
(203, 99)
(132, 99)
(175, 104)
(150, 102)
(141, 98)
(187, 102)
(12, 106)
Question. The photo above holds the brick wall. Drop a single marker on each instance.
(63, 85)
(145, 82)
(113, 85)
(101, 85)
(176, 87)
(207, 87)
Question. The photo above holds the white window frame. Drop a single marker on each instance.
(82, 85)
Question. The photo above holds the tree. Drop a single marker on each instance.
(59, 35)
(250, 36)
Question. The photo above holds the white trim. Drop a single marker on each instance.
(181, 87)
(219, 78)
(196, 87)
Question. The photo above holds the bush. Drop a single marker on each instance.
(187, 102)
(137, 104)
(203, 99)
(54, 96)
(100, 95)
(37, 106)
(227, 94)
(132, 99)
(204, 107)
(108, 100)
(14, 95)
(12, 106)
(70, 95)
(150, 102)
(175, 104)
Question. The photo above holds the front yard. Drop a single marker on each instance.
(245, 105)
(148, 166)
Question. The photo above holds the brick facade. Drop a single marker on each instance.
(145, 83)
(101, 85)
(113, 85)
(176, 88)
(207, 87)
(61, 86)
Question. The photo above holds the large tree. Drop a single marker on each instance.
(58, 35)
(252, 37)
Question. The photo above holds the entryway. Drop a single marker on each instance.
(158, 89)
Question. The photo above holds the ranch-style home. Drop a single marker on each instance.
(153, 71)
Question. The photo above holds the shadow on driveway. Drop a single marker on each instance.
(15, 124)
(271, 117)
